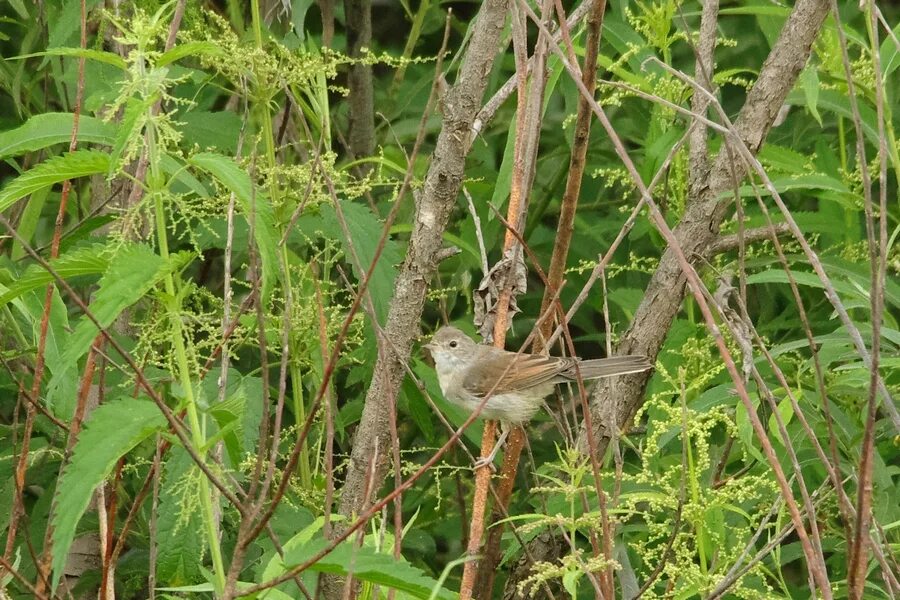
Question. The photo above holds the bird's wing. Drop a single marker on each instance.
(527, 371)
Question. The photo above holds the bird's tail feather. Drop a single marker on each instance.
(608, 367)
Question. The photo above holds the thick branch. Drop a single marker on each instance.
(699, 227)
(369, 457)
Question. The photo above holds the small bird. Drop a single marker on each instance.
(517, 383)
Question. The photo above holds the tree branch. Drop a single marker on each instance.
(433, 207)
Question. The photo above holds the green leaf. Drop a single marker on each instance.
(61, 391)
(786, 412)
(111, 431)
(236, 179)
(55, 170)
(29, 222)
(365, 232)
(109, 58)
(809, 80)
(86, 260)
(180, 548)
(132, 272)
(838, 103)
(188, 49)
(47, 129)
(366, 565)
(211, 129)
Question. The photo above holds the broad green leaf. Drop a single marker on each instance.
(180, 548)
(55, 170)
(786, 412)
(189, 49)
(29, 222)
(236, 179)
(365, 232)
(504, 175)
(746, 433)
(112, 429)
(86, 260)
(811, 181)
(41, 131)
(211, 129)
(132, 272)
(61, 390)
(109, 58)
(366, 565)
(803, 278)
(65, 23)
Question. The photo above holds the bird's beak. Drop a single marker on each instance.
(429, 346)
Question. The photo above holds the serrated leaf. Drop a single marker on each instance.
(61, 390)
(47, 129)
(86, 260)
(109, 58)
(189, 49)
(236, 179)
(132, 272)
(180, 548)
(110, 432)
(55, 170)
(368, 566)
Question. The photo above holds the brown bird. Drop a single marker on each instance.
(517, 383)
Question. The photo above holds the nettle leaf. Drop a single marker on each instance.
(132, 272)
(47, 129)
(364, 564)
(233, 177)
(365, 231)
(86, 260)
(189, 49)
(62, 389)
(111, 431)
(55, 170)
(180, 548)
(110, 58)
(211, 129)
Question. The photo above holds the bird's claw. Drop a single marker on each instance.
(485, 461)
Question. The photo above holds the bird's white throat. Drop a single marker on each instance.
(447, 365)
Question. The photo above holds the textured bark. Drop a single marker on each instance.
(699, 228)
(703, 216)
(361, 124)
(370, 456)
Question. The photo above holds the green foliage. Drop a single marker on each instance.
(221, 166)
(112, 430)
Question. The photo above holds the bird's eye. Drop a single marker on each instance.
(454, 344)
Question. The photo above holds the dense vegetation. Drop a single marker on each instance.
(228, 228)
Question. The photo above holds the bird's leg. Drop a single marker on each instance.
(489, 459)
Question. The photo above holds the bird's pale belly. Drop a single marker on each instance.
(513, 408)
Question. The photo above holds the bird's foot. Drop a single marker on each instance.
(485, 461)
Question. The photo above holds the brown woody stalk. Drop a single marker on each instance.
(513, 450)
(433, 207)
(525, 126)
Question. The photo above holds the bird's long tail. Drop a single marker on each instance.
(608, 367)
